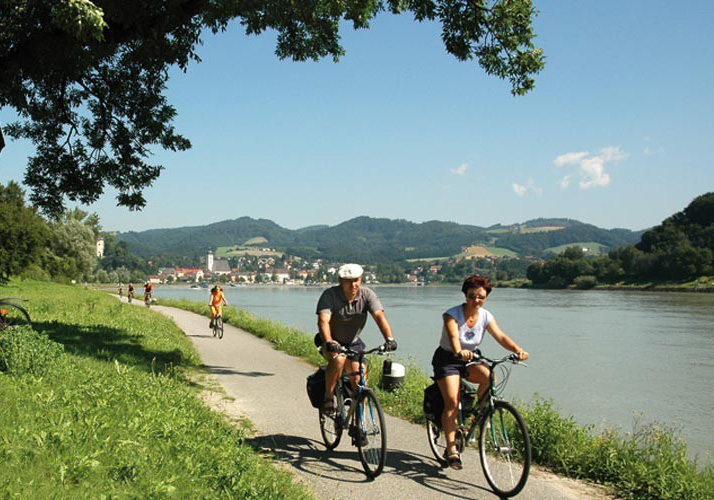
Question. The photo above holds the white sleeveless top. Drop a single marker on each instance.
(470, 338)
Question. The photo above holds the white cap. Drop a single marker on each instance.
(350, 271)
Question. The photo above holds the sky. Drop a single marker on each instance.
(618, 131)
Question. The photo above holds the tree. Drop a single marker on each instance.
(88, 77)
(22, 232)
(72, 248)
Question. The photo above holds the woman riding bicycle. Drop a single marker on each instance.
(457, 354)
(216, 303)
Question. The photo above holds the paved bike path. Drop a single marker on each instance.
(269, 389)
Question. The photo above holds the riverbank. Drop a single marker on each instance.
(651, 462)
(101, 399)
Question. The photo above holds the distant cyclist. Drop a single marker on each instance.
(121, 290)
(216, 302)
(342, 313)
(148, 291)
(130, 292)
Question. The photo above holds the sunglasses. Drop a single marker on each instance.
(474, 296)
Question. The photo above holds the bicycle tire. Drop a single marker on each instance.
(372, 426)
(13, 316)
(218, 325)
(330, 428)
(505, 449)
(437, 441)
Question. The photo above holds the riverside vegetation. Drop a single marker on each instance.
(652, 462)
(96, 401)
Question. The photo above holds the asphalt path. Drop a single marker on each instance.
(268, 387)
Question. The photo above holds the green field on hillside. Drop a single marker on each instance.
(236, 250)
(594, 249)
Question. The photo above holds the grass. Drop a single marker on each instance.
(96, 401)
(650, 463)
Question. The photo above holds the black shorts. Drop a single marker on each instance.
(357, 345)
(446, 363)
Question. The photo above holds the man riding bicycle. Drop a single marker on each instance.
(342, 314)
(216, 302)
(148, 290)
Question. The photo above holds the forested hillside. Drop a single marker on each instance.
(373, 240)
(679, 249)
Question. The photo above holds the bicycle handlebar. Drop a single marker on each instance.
(380, 349)
(511, 358)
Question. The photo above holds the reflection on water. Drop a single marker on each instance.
(604, 357)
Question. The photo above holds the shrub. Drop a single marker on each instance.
(24, 351)
(585, 282)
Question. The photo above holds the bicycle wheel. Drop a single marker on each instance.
(218, 326)
(13, 316)
(437, 441)
(505, 449)
(330, 428)
(371, 435)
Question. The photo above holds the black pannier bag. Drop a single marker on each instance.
(316, 387)
(433, 404)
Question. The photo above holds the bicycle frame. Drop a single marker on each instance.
(353, 394)
(483, 408)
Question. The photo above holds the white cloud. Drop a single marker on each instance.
(590, 168)
(522, 189)
(519, 189)
(569, 158)
(460, 170)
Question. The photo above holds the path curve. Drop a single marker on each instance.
(268, 387)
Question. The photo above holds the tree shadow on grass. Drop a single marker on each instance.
(109, 344)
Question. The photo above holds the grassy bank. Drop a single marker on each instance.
(649, 463)
(96, 403)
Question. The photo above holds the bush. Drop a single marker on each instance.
(585, 282)
(24, 351)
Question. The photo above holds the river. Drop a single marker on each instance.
(607, 358)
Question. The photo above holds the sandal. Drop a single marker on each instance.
(454, 460)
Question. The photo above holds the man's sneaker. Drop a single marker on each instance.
(359, 438)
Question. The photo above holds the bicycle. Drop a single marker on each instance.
(503, 441)
(218, 326)
(364, 420)
(147, 299)
(13, 315)
(130, 295)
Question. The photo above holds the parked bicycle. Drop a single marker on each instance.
(503, 440)
(359, 411)
(218, 326)
(13, 315)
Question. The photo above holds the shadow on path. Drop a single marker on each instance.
(312, 457)
(224, 370)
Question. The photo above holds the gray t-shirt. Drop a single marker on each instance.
(347, 319)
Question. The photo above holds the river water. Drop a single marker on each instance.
(606, 358)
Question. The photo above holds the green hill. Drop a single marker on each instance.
(373, 240)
